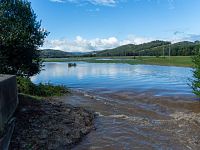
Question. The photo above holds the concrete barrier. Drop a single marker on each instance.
(8, 104)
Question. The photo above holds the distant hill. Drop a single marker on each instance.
(51, 53)
(154, 48)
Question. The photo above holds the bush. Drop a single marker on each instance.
(25, 86)
(196, 74)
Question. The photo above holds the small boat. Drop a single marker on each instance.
(71, 64)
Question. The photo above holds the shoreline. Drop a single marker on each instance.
(51, 127)
(49, 124)
(176, 61)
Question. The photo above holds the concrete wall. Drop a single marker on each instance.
(8, 98)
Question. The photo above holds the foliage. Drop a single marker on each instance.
(49, 53)
(25, 86)
(52, 53)
(20, 37)
(196, 74)
(154, 48)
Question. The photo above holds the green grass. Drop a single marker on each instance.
(184, 61)
(25, 86)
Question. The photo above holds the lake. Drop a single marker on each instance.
(137, 106)
(160, 80)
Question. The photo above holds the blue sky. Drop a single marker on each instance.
(87, 25)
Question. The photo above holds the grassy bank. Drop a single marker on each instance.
(184, 61)
(27, 87)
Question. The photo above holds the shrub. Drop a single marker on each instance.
(26, 86)
(196, 74)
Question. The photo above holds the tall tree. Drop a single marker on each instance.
(20, 37)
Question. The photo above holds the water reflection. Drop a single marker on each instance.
(94, 76)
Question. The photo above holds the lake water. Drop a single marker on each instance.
(160, 80)
(138, 106)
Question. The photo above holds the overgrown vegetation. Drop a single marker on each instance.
(26, 86)
(20, 37)
(196, 74)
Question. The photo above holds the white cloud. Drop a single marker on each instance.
(58, 1)
(103, 2)
(171, 3)
(79, 44)
(132, 39)
(180, 35)
(94, 2)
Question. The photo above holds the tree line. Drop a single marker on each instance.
(154, 48)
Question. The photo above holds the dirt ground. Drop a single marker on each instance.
(48, 124)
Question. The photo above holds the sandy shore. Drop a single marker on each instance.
(48, 124)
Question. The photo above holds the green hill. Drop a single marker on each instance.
(154, 48)
(51, 53)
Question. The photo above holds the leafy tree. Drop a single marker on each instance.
(196, 73)
(20, 37)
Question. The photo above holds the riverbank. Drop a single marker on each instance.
(181, 61)
(49, 124)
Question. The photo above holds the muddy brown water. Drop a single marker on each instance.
(127, 120)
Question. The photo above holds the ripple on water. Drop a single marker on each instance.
(130, 116)
(87, 76)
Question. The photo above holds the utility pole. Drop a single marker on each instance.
(163, 52)
(169, 50)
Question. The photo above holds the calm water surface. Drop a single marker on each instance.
(162, 80)
(136, 104)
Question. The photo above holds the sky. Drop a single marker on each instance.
(88, 25)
